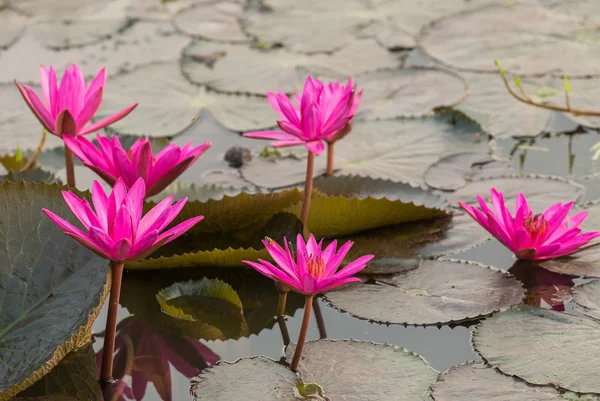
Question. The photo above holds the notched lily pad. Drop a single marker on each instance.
(473, 381)
(62, 34)
(355, 370)
(529, 343)
(455, 171)
(587, 297)
(226, 249)
(56, 289)
(438, 291)
(36, 175)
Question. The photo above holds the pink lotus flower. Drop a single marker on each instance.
(68, 108)
(112, 162)
(320, 113)
(530, 236)
(313, 271)
(117, 230)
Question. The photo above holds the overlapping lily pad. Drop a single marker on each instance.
(62, 34)
(36, 175)
(472, 40)
(12, 25)
(435, 292)
(529, 343)
(473, 381)
(455, 171)
(218, 65)
(169, 104)
(587, 297)
(225, 249)
(372, 203)
(57, 287)
(52, 9)
(213, 21)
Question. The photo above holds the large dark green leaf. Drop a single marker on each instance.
(52, 287)
(36, 175)
(543, 347)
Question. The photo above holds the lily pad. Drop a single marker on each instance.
(58, 290)
(436, 292)
(51, 9)
(529, 343)
(74, 378)
(213, 21)
(226, 249)
(372, 203)
(457, 170)
(61, 34)
(541, 191)
(36, 175)
(169, 104)
(12, 24)
(273, 381)
(474, 381)
(523, 36)
(587, 297)
(227, 210)
(393, 373)
(218, 65)
(402, 150)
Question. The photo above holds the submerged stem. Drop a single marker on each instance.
(303, 331)
(31, 161)
(285, 335)
(111, 322)
(281, 305)
(330, 152)
(308, 185)
(319, 318)
(70, 168)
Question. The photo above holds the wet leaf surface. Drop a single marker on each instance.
(12, 25)
(213, 21)
(62, 34)
(435, 292)
(587, 297)
(55, 288)
(506, 339)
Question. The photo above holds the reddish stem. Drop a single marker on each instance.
(308, 185)
(111, 322)
(330, 150)
(303, 331)
(70, 168)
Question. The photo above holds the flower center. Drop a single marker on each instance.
(316, 266)
(536, 226)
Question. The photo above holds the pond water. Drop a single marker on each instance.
(432, 99)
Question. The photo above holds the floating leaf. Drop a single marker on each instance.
(57, 34)
(169, 104)
(74, 378)
(218, 65)
(455, 171)
(226, 249)
(35, 175)
(474, 381)
(257, 378)
(346, 205)
(529, 343)
(57, 290)
(12, 24)
(470, 40)
(226, 209)
(213, 21)
(340, 368)
(541, 191)
(587, 296)
(435, 292)
(51, 9)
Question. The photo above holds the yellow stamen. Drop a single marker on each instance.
(316, 267)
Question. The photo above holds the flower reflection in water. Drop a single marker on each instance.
(543, 285)
(146, 355)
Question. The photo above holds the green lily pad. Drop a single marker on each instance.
(474, 381)
(371, 203)
(587, 297)
(257, 378)
(57, 290)
(472, 40)
(12, 25)
(74, 378)
(227, 209)
(541, 191)
(339, 368)
(455, 171)
(36, 175)
(169, 104)
(213, 21)
(226, 249)
(435, 292)
(218, 65)
(62, 34)
(529, 343)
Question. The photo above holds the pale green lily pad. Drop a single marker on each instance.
(587, 297)
(213, 21)
(226, 249)
(57, 290)
(473, 381)
(541, 191)
(522, 35)
(12, 24)
(355, 370)
(257, 378)
(62, 34)
(373, 203)
(529, 343)
(218, 65)
(52, 9)
(169, 104)
(435, 292)
(457, 170)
